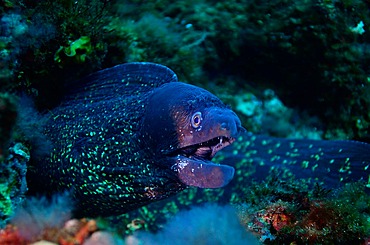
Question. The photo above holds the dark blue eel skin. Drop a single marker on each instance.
(132, 134)
(330, 163)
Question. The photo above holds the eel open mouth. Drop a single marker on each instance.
(208, 149)
(194, 166)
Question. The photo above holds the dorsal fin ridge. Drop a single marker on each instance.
(121, 80)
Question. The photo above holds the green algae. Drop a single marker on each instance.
(78, 49)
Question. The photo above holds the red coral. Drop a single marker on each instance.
(321, 216)
(10, 236)
(321, 221)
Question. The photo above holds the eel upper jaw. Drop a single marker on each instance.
(206, 150)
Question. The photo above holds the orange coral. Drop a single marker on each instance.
(74, 232)
(278, 218)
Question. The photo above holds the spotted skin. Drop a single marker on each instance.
(124, 137)
(116, 144)
(329, 162)
(301, 163)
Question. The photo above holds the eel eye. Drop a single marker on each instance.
(196, 119)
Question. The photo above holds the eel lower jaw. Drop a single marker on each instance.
(194, 166)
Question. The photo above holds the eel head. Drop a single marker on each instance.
(188, 126)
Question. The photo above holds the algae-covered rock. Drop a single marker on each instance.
(13, 185)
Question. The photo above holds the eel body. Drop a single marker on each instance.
(132, 134)
(328, 162)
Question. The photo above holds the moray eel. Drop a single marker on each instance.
(132, 134)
